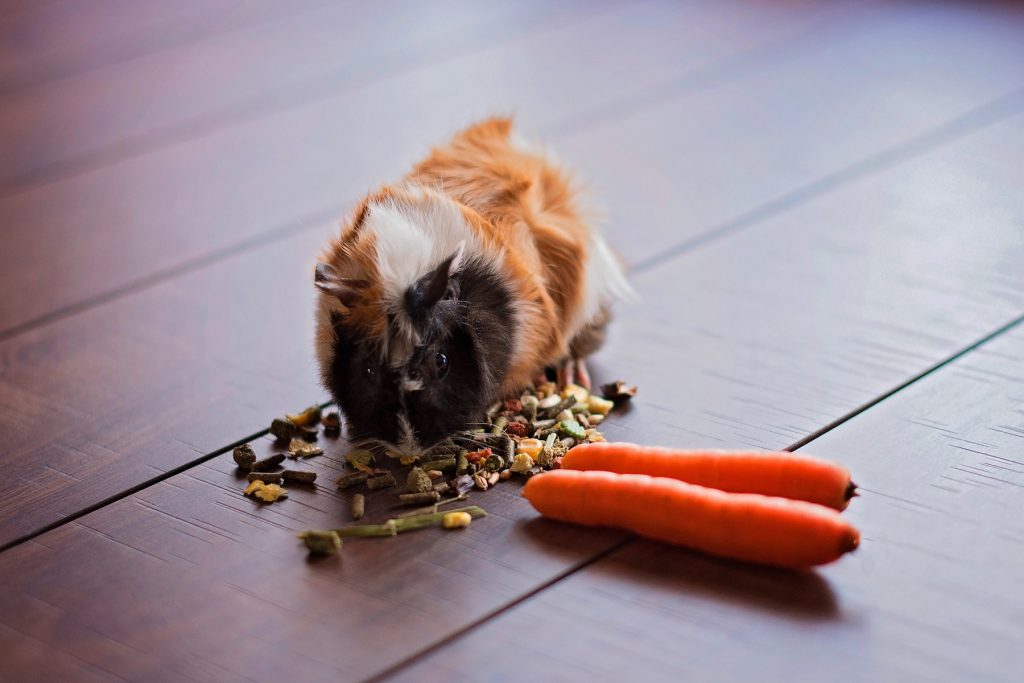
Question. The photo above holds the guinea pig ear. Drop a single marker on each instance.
(435, 283)
(347, 291)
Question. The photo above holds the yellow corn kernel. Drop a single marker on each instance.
(600, 406)
(576, 390)
(456, 520)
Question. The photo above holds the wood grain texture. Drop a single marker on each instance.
(715, 368)
(225, 582)
(70, 125)
(95, 383)
(710, 160)
(932, 594)
(56, 40)
(323, 156)
(52, 372)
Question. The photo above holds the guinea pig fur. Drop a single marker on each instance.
(456, 287)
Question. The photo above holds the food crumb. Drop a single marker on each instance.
(522, 463)
(322, 542)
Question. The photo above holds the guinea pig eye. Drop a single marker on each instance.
(369, 372)
(441, 361)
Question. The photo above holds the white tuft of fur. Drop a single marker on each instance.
(411, 240)
(406, 439)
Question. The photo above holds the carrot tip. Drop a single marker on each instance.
(851, 491)
(851, 541)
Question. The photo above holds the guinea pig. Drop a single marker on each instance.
(457, 287)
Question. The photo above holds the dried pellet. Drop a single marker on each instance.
(444, 449)
(423, 498)
(322, 542)
(299, 476)
(618, 391)
(493, 478)
(244, 456)
(418, 481)
(358, 506)
(282, 428)
(440, 464)
(331, 423)
(382, 481)
(354, 479)
(268, 463)
(265, 477)
(434, 474)
(499, 425)
(505, 475)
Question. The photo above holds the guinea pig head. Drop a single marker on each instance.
(412, 362)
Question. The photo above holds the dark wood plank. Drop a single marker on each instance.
(932, 594)
(700, 163)
(72, 124)
(731, 349)
(83, 393)
(51, 41)
(106, 417)
(319, 157)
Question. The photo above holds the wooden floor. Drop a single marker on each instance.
(822, 206)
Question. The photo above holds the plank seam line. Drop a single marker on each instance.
(285, 231)
(971, 122)
(703, 75)
(977, 119)
(823, 32)
(68, 62)
(258, 240)
(455, 635)
(120, 495)
(396, 62)
(425, 651)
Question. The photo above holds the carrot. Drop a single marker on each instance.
(743, 526)
(783, 474)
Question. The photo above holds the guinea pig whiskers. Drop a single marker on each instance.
(474, 442)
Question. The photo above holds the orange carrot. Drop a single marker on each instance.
(783, 474)
(743, 526)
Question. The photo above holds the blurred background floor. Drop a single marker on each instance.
(821, 206)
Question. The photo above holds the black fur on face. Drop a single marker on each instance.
(464, 321)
